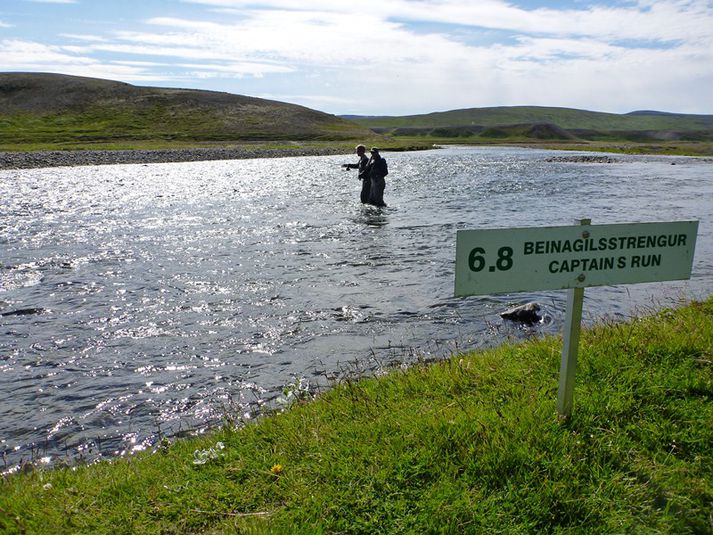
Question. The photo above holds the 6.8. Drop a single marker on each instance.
(476, 259)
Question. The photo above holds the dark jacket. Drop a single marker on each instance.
(378, 168)
(362, 165)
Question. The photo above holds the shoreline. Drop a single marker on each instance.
(65, 158)
(15, 160)
(372, 453)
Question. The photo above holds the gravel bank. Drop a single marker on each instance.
(582, 159)
(29, 160)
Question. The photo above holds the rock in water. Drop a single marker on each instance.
(527, 313)
(23, 312)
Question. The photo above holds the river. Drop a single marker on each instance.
(152, 300)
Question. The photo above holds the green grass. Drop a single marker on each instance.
(347, 145)
(672, 148)
(158, 123)
(679, 148)
(169, 145)
(472, 444)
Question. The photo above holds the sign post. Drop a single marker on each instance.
(570, 346)
(508, 260)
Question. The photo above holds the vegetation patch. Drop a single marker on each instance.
(471, 444)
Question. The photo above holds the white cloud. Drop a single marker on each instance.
(240, 68)
(83, 37)
(614, 57)
(655, 20)
(387, 56)
(19, 53)
(298, 37)
(29, 56)
(139, 49)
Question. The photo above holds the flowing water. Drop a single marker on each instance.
(143, 300)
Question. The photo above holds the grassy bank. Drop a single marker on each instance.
(346, 146)
(672, 148)
(665, 148)
(467, 445)
(386, 143)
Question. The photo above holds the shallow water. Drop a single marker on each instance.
(141, 300)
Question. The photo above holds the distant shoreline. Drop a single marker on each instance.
(82, 157)
(62, 158)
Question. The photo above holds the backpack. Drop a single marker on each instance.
(383, 168)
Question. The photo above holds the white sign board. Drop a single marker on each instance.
(548, 258)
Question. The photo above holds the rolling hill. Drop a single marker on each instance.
(55, 108)
(45, 110)
(545, 123)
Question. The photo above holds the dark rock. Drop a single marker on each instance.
(23, 312)
(527, 313)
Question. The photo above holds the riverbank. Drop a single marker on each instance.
(61, 158)
(702, 149)
(64, 158)
(32, 159)
(466, 445)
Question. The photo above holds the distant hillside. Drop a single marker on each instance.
(534, 122)
(53, 108)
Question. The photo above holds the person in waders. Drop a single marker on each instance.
(363, 175)
(377, 172)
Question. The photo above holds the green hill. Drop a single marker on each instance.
(566, 118)
(537, 123)
(43, 108)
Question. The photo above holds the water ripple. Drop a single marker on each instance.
(143, 300)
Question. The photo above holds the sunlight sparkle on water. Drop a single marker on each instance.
(135, 283)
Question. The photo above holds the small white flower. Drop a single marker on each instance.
(203, 456)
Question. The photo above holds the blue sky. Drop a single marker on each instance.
(382, 57)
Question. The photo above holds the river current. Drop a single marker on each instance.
(141, 301)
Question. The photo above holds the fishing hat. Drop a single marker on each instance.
(374, 149)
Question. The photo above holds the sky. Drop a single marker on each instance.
(382, 57)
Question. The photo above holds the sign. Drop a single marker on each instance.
(549, 258)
